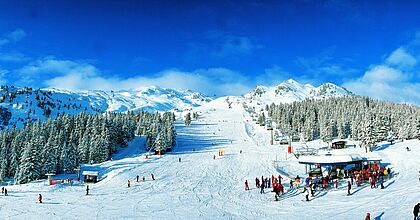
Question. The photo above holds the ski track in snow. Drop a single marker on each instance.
(200, 187)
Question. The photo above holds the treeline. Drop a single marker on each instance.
(360, 118)
(62, 144)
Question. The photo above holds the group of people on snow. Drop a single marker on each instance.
(4, 191)
(265, 183)
(143, 179)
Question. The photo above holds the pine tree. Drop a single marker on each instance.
(29, 168)
(188, 119)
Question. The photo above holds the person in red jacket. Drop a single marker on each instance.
(40, 198)
(280, 188)
(367, 216)
(246, 185)
(275, 184)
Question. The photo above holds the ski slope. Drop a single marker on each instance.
(200, 187)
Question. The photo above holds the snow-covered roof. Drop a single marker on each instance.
(90, 173)
(331, 159)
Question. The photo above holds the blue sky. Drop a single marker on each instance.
(216, 47)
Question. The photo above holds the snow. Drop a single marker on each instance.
(200, 187)
(89, 173)
(289, 91)
(328, 158)
(147, 98)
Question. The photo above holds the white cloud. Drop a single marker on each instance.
(76, 75)
(16, 35)
(392, 80)
(273, 76)
(401, 58)
(13, 36)
(13, 57)
(50, 65)
(384, 73)
(196, 81)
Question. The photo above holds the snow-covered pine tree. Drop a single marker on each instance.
(369, 137)
(50, 155)
(70, 155)
(29, 167)
(188, 119)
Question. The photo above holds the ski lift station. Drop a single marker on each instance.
(90, 176)
(336, 165)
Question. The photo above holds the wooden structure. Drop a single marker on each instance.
(90, 176)
(340, 144)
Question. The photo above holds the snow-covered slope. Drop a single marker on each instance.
(200, 187)
(19, 104)
(289, 91)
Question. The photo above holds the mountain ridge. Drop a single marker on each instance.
(18, 105)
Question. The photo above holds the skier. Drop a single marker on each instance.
(179, 160)
(312, 187)
(348, 188)
(367, 216)
(153, 176)
(297, 180)
(2, 190)
(280, 178)
(306, 192)
(276, 193)
(416, 211)
(381, 181)
(324, 183)
(5, 192)
(87, 189)
(372, 182)
(246, 185)
(40, 198)
(257, 182)
(144, 179)
(262, 181)
(336, 183)
(280, 188)
(262, 187)
(240, 151)
(137, 178)
(214, 157)
(389, 173)
(291, 184)
(128, 183)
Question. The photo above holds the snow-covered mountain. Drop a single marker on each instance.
(289, 91)
(19, 104)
